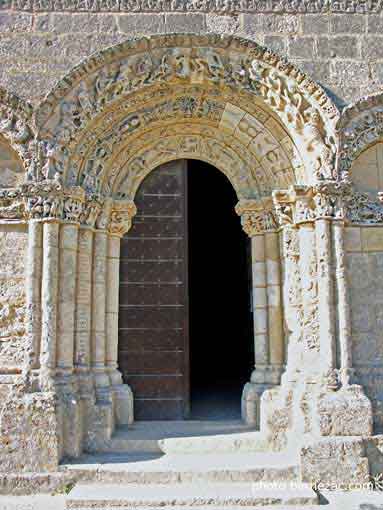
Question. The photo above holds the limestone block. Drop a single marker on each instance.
(13, 251)
(372, 239)
(352, 239)
(347, 412)
(273, 272)
(276, 416)
(374, 452)
(259, 297)
(231, 118)
(250, 403)
(259, 274)
(334, 460)
(28, 434)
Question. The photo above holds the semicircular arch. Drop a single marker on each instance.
(86, 104)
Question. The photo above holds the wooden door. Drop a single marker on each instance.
(153, 323)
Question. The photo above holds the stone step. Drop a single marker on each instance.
(170, 469)
(193, 495)
(186, 437)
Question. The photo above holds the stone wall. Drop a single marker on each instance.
(13, 246)
(364, 261)
(338, 43)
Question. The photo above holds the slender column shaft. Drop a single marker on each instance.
(112, 300)
(100, 247)
(67, 298)
(309, 296)
(261, 347)
(82, 355)
(292, 299)
(325, 295)
(33, 290)
(344, 311)
(49, 301)
(274, 301)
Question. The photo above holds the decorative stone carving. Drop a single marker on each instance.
(121, 217)
(256, 216)
(16, 127)
(360, 126)
(305, 204)
(97, 87)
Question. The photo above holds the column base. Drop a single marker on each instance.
(250, 403)
(262, 378)
(303, 411)
(123, 404)
(68, 416)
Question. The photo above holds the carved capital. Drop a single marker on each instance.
(256, 216)
(305, 204)
(91, 210)
(49, 200)
(121, 217)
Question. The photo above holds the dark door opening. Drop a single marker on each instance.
(220, 325)
(185, 329)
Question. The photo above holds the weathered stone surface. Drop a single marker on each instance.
(340, 459)
(290, 156)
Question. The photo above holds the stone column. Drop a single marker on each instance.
(49, 299)
(83, 317)
(325, 295)
(33, 294)
(121, 220)
(98, 343)
(343, 304)
(256, 220)
(274, 302)
(70, 417)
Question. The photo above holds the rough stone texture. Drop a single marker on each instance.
(288, 153)
(28, 433)
(340, 459)
(364, 268)
(39, 43)
(12, 297)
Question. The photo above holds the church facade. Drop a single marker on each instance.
(284, 99)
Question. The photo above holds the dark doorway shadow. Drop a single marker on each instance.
(220, 323)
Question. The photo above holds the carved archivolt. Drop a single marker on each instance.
(79, 116)
(360, 126)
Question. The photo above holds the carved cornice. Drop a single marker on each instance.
(257, 216)
(217, 6)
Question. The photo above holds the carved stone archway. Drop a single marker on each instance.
(272, 131)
